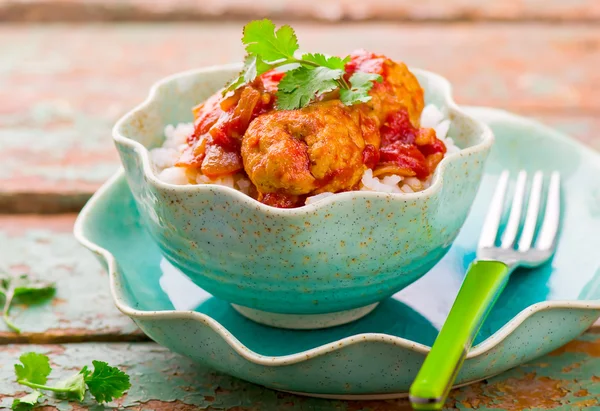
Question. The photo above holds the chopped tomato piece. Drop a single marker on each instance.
(406, 156)
(280, 200)
(271, 80)
(437, 146)
(193, 155)
(398, 128)
(365, 62)
(370, 156)
(219, 162)
(425, 136)
(205, 116)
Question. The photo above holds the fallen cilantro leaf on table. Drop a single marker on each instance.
(27, 402)
(104, 383)
(307, 77)
(34, 367)
(23, 290)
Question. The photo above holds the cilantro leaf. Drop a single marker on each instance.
(254, 66)
(334, 63)
(24, 290)
(235, 84)
(106, 382)
(31, 293)
(262, 40)
(27, 402)
(360, 85)
(34, 368)
(301, 85)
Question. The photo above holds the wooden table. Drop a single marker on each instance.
(62, 86)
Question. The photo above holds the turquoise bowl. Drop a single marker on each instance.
(315, 266)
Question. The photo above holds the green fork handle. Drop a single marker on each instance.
(480, 289)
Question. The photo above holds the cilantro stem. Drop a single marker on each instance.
(43, 387)
(293, 60)
(10, 324)
(306, 63)
(8, 298)
(344, 83)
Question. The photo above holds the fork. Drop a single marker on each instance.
(486, 278)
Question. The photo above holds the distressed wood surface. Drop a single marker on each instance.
(567, 379)
(64, 86)
(68, 84)
(327, 10)
(82, 309)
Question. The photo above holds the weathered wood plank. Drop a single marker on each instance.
(333, 10)
(514, 66)
(82, 309)
(565, 379)
(56, 117)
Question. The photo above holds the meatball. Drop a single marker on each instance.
(308, 151)
(399, 90)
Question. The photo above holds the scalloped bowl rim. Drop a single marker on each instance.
(324, 349)
(487, 139)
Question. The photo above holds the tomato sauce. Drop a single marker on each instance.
(221, 122)
(399, 146)
(371, 156)
(366, 62)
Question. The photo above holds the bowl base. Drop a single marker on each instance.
(304, 321)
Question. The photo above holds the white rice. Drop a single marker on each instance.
(388, 184)
(314, 199)
(164, 158)
(174, 175)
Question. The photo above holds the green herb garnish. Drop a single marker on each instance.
(27, 402)
(105, 383)
(307, 77)
(23, 290)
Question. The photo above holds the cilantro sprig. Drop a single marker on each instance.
(24, 290)
(308, 76)
(105, 383)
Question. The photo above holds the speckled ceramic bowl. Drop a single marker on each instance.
(315, 266)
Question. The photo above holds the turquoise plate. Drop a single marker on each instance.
(379, 355)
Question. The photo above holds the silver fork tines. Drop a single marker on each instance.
(532, 212)
(514, 220)
(548, 232)
(525, 253)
